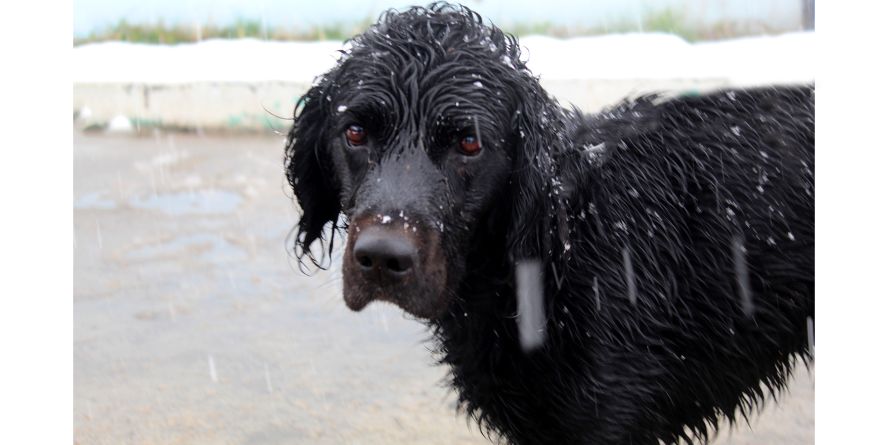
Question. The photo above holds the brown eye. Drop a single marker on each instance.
(356, 135)
(469, 145)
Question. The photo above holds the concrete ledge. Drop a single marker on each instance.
(240, 85)
(232, 106)
(252, 106)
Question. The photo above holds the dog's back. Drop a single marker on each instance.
(687, 281)
(709, 201)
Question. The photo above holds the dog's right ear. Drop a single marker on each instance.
(311, 174)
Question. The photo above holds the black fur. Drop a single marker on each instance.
(689, 190)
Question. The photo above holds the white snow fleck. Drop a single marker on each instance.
(120, 124)
(342, 108)
(630, 278)
(595, 148)
(742, 278)
(530, 304)
(212, 375)
(268, 380)
(385, 219)
(478, 84)
(85, 113)
(810, 335)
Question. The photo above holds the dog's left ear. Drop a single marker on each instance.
(538, 227)
(310, 173)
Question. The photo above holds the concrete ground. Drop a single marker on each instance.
(192, 324)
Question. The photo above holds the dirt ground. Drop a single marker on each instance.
(192, 324)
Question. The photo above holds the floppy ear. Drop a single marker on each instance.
(538, 228)
(311, 175)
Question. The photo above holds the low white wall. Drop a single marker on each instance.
(252, 106)
(198, 105)
(242, 84)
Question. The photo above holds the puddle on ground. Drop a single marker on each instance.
(184, 203)
(95, 200)
(202, 246)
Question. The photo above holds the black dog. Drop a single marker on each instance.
(675, 236)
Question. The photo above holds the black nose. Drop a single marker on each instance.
(383, 253)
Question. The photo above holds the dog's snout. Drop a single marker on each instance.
(384, 254)
(399, 261)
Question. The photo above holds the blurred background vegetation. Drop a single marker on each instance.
(668, 20)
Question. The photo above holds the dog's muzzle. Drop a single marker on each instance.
(397, 261)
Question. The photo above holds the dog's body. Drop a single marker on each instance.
(676, 236)
(678, 186)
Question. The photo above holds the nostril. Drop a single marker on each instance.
(364, 260)
(399, 264)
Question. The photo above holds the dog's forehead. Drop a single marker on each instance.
(428, 71)
(446, 91)
(432, 37)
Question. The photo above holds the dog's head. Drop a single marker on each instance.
(429, 127)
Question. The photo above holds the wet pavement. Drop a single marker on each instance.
(193, 325)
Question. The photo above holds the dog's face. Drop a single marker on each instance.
(413, 137)
(419, 158)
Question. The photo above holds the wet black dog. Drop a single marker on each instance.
(676, 236)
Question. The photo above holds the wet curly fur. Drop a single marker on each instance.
(708, 200)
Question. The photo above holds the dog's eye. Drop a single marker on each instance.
(356, 135)
(469, 145)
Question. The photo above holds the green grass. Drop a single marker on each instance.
(666, 20)
(161, 33)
